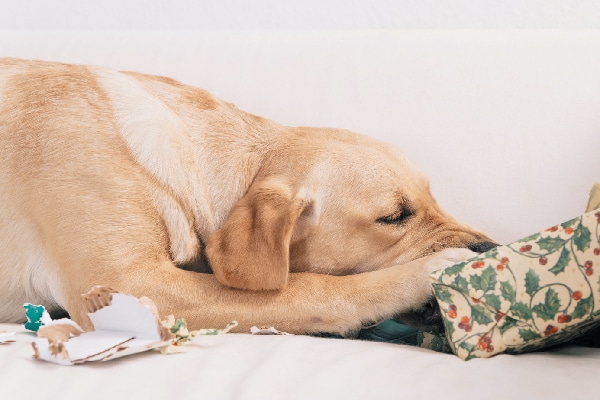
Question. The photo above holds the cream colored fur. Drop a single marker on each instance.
(116, 178)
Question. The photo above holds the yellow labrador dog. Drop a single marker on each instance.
(154, 188)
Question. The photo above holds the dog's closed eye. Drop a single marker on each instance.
(398, 217)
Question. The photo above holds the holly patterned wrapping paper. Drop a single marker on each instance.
(537, 292)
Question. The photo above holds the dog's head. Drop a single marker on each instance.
(332, 202)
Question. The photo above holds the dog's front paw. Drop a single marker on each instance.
(425, 313)
(447, 258)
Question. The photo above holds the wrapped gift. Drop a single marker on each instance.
(537, 292)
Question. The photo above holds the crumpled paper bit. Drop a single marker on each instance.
(181, 334)
(266, 330)
(534, 293)
(123, 325)
(7, 337)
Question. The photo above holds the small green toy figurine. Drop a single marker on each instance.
(37, 316)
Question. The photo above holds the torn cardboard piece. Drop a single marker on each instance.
(123, 325)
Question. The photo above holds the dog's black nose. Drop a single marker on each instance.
(482, 247)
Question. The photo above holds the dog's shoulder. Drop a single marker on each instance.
(107, 118)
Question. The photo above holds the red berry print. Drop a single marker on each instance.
(504, 260)
(589, 264)
(498, 316)
(577, 295)
(477, 264)
(543, 261)
(589, 271)
(500, 267)
(550, 329)
(597, 251)
(485, 343)
(564, 318)
(452, 311)
(552, 228)
(525, 248)
(465, 323)
(475, 300)
(569, 230)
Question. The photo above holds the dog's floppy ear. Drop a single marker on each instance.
(251, 250)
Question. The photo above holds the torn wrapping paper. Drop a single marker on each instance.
(123, 325)
(181, 334)
(537, 292)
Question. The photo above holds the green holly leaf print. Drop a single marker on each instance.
(570, 222)
(549, 308)
(449, 329)
(493, 301)
(563, 261)
(521, 310)
(455, 269)
(508, 291)
(532, 282)
(583, 307)
(480, 315)
(508, 324)
(486, 281)
(528, 334)
(461, 284)
(551, 244)
(467, 346)
(493, 253)
(582, 238)
(443, 294)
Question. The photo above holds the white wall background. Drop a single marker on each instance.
(305, 14)
(526, 101)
